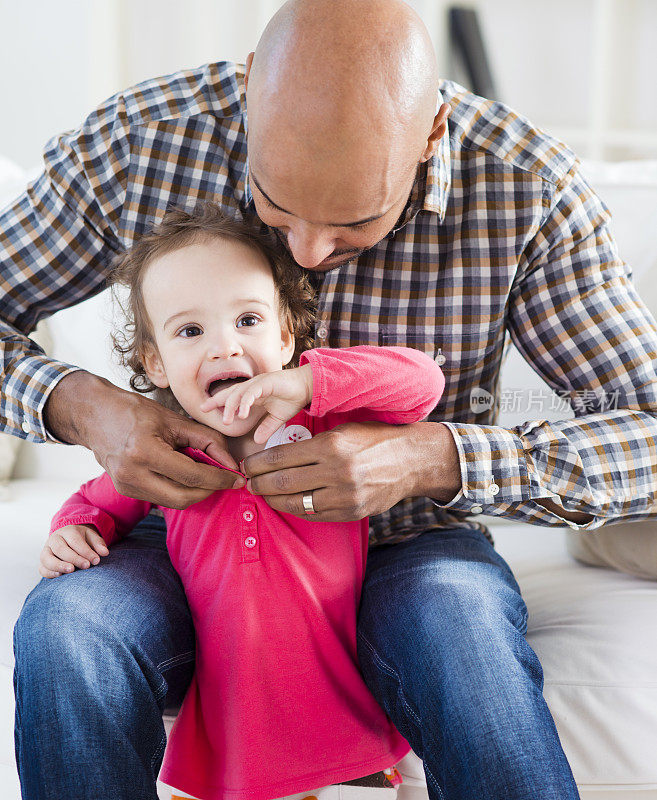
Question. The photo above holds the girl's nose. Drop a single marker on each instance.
(224, 347)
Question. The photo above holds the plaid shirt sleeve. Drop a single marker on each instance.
(576, 317)
(56, 240)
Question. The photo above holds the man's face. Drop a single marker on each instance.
(324, 229)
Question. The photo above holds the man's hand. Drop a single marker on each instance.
(355, 470)
(136, 441)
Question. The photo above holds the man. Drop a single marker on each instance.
(436, 233)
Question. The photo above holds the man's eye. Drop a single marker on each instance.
(189, 331)
(248, 316)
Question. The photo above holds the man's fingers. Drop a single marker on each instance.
(325, 510)
(161, 491)
(187, 473)
(293, 480)
(200, 437)
(284, 456)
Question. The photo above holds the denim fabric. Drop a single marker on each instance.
(442, 648)
(100, 653)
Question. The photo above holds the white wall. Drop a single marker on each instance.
(581, 69)
(57, 61)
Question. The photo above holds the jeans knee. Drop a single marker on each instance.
(443, 621)
(61, 625)
(476, 606)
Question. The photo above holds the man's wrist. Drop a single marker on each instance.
(436, 468)
(70, 405)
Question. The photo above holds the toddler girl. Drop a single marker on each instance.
(219, 323)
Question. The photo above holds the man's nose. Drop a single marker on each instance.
(309, 247)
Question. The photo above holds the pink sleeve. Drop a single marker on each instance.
(395, 384)
(98, 503)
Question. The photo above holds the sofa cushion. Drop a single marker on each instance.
(591, 630)
(628, 547)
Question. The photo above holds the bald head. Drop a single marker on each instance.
(341, 103)
(347, 60)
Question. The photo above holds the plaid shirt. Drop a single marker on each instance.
(501, 237)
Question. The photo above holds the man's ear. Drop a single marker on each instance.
(288, 344)
(249, 61)
(437, 132)
(152, 362)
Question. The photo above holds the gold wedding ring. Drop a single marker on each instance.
(308, 503)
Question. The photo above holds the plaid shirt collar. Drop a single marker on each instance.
(430, 190)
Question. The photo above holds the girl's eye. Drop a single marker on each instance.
(189, 331)
(247, 316)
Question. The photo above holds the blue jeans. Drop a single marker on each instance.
(100, 653)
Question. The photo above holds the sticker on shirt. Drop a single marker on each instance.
(287, 435)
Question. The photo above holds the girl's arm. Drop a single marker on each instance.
(98, 503)
(395, 384)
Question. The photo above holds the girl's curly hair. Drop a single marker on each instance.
(179, 228)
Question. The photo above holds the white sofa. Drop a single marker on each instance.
(592, 628)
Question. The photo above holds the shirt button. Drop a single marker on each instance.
(476, 509)
(440, 358)
(322, 332)
(248, 516)
(493, 489)
(25, 425)
(250, 541)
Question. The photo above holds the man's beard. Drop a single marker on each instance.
(349, 255)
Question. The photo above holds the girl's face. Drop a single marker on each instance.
(214, 312)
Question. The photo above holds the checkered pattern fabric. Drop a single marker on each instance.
(501, 237)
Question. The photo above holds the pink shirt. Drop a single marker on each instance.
(277, 704)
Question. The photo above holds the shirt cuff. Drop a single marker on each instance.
(495, 474)
(80, 515)
(493, 468)
(24, 396)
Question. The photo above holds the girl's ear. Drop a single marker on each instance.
(152, 362)
(287, 344)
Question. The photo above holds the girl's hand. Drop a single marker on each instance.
(283, 393)
(70, 547)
